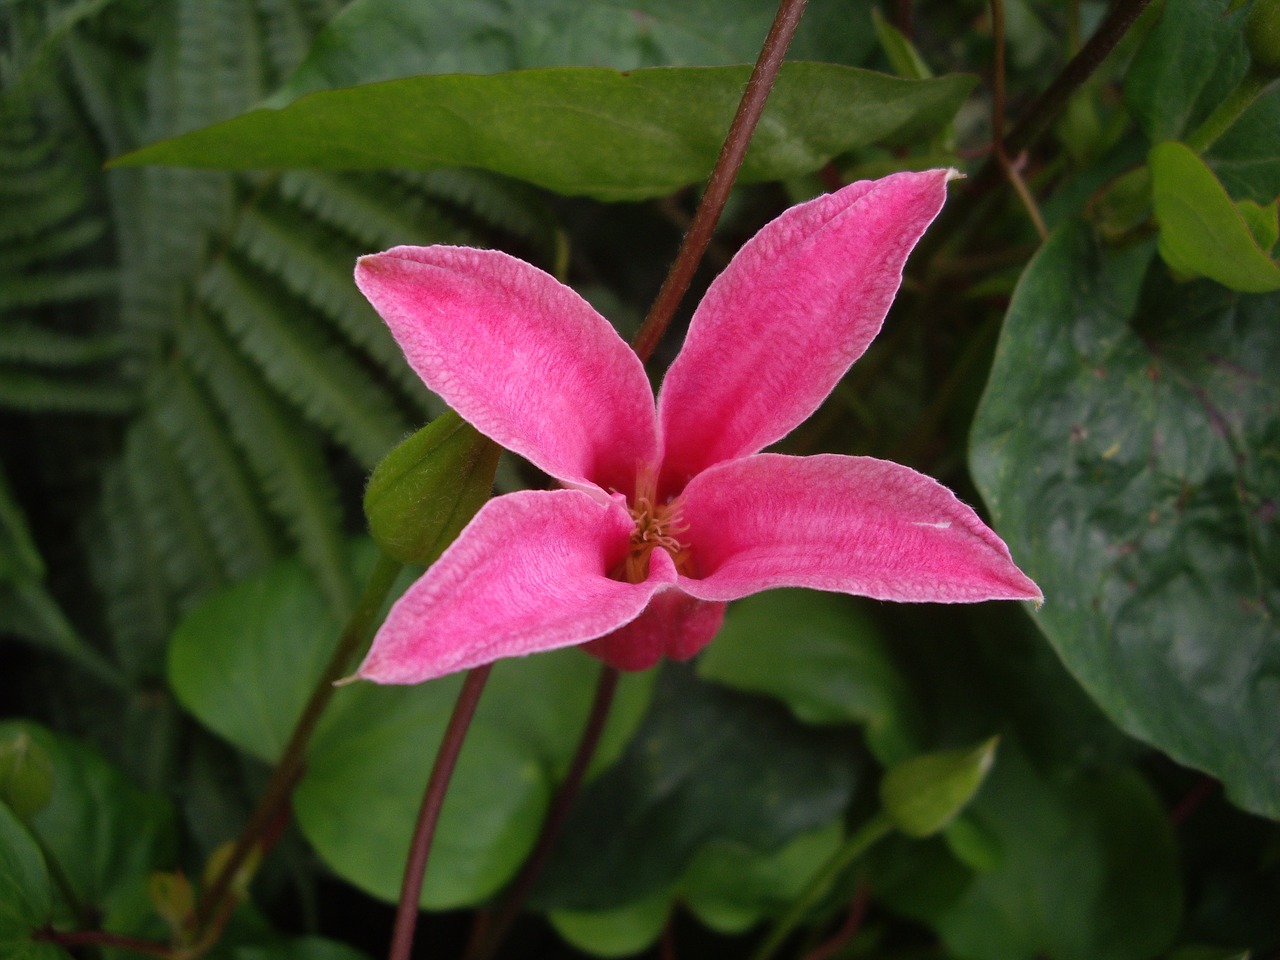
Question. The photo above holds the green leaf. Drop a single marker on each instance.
(1202, 233)
(1088, 871)
(903, 56)
(731, 887)
(691, 776)
(1189, 61)
(1263, 222)
(578, 131)
(621, 932)
(299, 948)
(820, 655)
(429, 487)
(924, 794)
(26, 897)
(244, 663)
(105, 834)
(1126, 446)
(26, 775)
(372, 40)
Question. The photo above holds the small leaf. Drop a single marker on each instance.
(174, 900)
(1263, 222)
(903, 56)
(26, 896)
(429, 487)
(577, 130)
(1202, 233)
(620, 932)
(26, 775)
(922, 795)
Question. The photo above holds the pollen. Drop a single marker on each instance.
(658, 525)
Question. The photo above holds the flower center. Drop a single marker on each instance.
(657, 525)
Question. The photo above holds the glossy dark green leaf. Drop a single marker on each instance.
(823, 657)
(1202, 233)
(244, 663)
(26, 896)
(706, 764)
(578, 131)
(1126, 446)
(1190, 59)
(372, 40)
(105, 834)
(1087, 871)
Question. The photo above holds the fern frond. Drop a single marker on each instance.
(29, 343)
(287, 461)
(65, 286)
(509, 206)
(302, 362)
(316, 265)
(28, 390)
(370, 209)
(66, 240)
(167, 504)
(288, 35)
(229, 502)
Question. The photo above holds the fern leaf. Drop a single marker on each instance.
(316, 265)
(23, 389)
(228, 501)
(506, 205)
(29, 343)
(65, 286)
(167, 504)
(369, 209)
(302, 362)
(288, 462)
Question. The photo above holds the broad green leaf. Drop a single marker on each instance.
(1189, 61)
(707, 764)
(823, 657)
(621, 932)
(26, 896)
(731, 887)
(372, 40)
(105, 834)
(924, 794)
(578, 131)
(1247, 157)
(1088, 871)
(245, 662)
(1126, 446)
(1202, 233)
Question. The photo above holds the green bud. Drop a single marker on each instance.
(922, 795)
(1262, 36)
(429, 487)
(26, 775)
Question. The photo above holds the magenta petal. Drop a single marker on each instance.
(674, 625)
(777, 330)
(529, 573)
(849, 524)
(520, 356)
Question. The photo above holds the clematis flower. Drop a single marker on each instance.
(669, 511)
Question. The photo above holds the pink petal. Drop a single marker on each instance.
(674, 625)
(848, 524)
(777, 330)
(529, 573)
(520, 356)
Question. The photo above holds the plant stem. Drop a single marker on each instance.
(100, 938)
(874, 829)
(289, 768)
(997, 124)
(432, 801)
(489, 939)
(1229, 110)
(722, 176)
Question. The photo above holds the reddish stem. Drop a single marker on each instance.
(849, 929)
(722, 176)
(432, 800)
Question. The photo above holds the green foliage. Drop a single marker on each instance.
(578, 131)
(193, 392)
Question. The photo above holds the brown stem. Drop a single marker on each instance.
(997, 124)
(292, 761)
(487, 939)
(1035, 121)
(432, 800)
(722, 176)
(848, 930)
(100, 938)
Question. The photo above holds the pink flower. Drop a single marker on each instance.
(669, 512)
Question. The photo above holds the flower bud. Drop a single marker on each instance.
(429, 487)
(924, 794)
